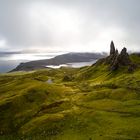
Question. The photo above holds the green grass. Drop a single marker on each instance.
(94, 104)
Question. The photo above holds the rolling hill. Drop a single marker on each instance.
(95, 102)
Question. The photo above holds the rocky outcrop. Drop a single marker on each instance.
(112, 48)
(117, 60)
(124, 57)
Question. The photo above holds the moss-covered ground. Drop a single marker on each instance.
(89, 103)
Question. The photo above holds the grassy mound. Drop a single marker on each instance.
(90, 103)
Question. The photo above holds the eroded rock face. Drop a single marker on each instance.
(124, 57)
(112, 48)
(117, 60)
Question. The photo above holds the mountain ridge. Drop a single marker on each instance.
(57, 60)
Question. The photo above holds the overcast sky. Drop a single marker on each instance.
(69, 25)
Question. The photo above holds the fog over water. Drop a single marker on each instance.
(74, 65)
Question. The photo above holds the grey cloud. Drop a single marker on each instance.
(9, 53)
(16, 26)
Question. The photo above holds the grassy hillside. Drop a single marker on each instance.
(90, 103)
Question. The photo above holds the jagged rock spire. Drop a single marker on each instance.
(112, 48)
(117, 60)
(124, 51)
(124, 57)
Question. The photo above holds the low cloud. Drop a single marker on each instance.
(75, 25)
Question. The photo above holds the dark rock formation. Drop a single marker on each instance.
(112, 48)
(116, 60)
(115, 63)
(124, 57)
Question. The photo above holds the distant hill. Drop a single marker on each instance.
(60, 59)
